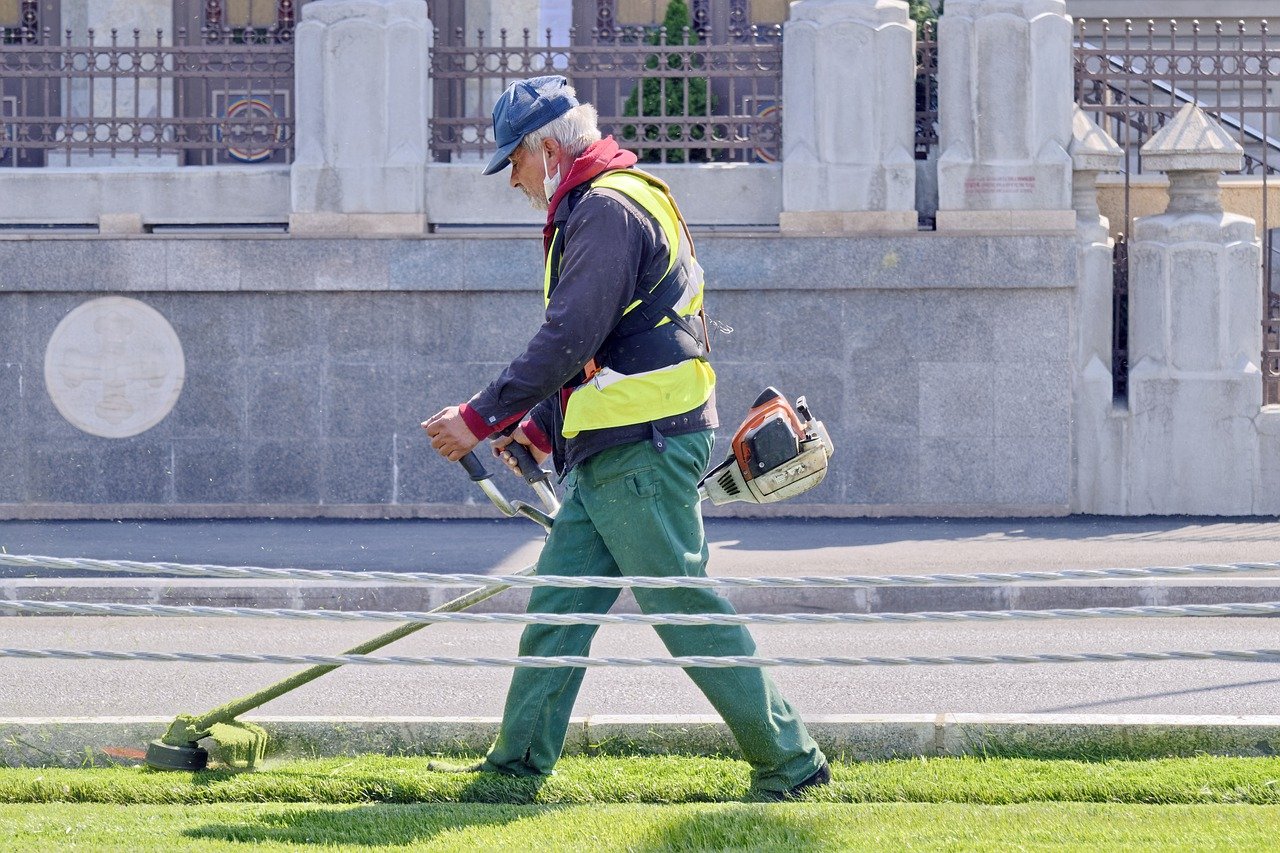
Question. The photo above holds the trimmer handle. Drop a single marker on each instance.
(538, 479)
(474, 468)
(529, 468)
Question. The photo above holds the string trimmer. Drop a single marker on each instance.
(240, 744)
(779, 451)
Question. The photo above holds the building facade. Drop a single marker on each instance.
(244, 263)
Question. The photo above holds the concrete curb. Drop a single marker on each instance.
(379, 596)
(79, 742)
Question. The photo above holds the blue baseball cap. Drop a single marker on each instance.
(524, 107)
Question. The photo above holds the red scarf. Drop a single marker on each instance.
(599, 157)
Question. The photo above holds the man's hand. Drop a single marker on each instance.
(450, 435)
(500, 442)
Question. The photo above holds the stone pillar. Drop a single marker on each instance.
(1092, 151)
(848, 130)
(1195, 334)
(1098, 428)
(363, 103)
(1005, 103)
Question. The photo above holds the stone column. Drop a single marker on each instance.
(1004, 113)
(1195, 334)
(848, 130)
(363, 103)
(1098, 429)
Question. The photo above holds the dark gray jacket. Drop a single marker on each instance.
(612, 248)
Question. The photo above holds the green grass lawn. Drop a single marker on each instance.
(706, 826)
(652, 803)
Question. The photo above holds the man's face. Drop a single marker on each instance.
(527, 174)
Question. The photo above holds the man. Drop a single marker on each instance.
(616, 386)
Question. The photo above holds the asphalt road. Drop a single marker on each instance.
(739, 547)
(63, 688)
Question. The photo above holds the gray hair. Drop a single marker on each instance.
(575, 130)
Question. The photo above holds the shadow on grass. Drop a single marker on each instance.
(376, 825)
(487, 799)
(690, 827)
(732, 826)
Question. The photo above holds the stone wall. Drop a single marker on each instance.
(961, 372)
(1149, 195)
(940, 365)
(454, 194)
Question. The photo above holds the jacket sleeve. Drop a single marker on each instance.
(605, 245)
(539, 424)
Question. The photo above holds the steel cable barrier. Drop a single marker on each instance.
(37, 608)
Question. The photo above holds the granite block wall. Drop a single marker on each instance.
(940, 365)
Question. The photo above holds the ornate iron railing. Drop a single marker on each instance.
(1132, 79)
(1271, 330)
(260, 22)
(188, 100)
(25, 28)
(675, 100)
(1120, 318)
(715, 21)
(926, 88)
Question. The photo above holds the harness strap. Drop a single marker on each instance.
(641, 341)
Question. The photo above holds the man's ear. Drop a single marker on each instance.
(551, 147)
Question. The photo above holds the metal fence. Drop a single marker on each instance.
(210, 97)
(1132, 79)
(669, 96)
(1271, 331)
(926, 89)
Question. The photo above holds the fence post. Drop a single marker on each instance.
(1195, 334)
(1004, 115)
(1098, 430)
(848, 125)
(363, 103)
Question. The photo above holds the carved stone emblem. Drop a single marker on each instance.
(114, 367)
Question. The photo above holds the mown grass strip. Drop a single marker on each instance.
(789, 827)
(667, 779)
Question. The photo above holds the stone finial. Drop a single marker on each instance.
(1192, 142)
(1092, 149)
(1193, 150)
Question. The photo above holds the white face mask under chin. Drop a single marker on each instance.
(550, 184)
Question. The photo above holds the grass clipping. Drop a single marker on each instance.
(237, 744)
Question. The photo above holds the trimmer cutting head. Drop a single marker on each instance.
(777, 453)
(164, 756)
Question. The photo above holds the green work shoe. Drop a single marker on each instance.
(821, 776)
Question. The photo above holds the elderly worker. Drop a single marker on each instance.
(616, 386)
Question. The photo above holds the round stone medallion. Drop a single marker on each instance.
(114, 367)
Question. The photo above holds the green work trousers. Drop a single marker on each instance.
(633, 511)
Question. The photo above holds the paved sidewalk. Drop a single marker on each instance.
(740, 547)
(746, 548)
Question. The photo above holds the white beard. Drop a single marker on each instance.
(536, 200)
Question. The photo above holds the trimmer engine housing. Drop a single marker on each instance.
(777, 453)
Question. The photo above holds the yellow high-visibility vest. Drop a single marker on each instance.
(612, 399)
